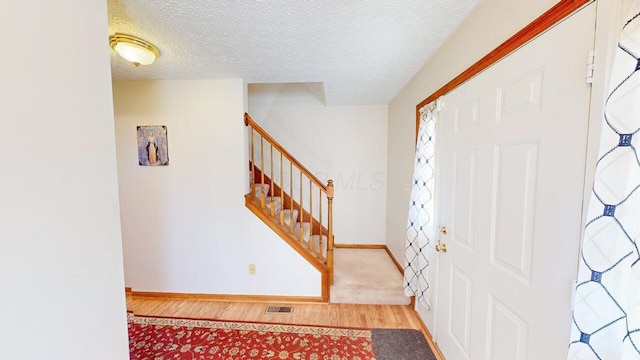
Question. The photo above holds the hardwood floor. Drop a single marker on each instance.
(347, 315)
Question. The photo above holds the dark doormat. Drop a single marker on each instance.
(400, 344)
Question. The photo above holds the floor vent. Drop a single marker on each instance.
(279, 310)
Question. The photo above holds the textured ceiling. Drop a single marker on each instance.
(363, 52)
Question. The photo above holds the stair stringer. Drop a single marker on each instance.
(283, 232)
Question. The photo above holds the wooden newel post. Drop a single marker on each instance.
(330, 190)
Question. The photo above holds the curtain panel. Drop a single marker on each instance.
(606, 315)
(420, 227)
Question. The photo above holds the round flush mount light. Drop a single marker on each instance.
(134, 49)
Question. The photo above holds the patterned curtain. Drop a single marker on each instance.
(419, 224)
(606, 315)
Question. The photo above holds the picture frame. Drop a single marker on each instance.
(152, 145)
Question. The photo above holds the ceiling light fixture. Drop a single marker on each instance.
(134, 49)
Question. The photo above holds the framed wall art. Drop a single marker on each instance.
(152, 146)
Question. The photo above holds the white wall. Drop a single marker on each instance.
(185, 226)
(493, 22)
(61, 254)
(346, 143)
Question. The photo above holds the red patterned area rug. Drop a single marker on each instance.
(160, 338)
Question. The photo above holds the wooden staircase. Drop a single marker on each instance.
(291, 201)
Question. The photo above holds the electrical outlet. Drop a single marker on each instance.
(252, 269)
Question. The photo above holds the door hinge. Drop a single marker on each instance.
(590, 66)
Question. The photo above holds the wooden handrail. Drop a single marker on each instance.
(248, 121)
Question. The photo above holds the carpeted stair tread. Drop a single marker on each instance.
(256, 190)
(369, 296)
(314, 244)
(277, 201)
(277, 204)
(315, 239)
(289, 215)
(306, 230)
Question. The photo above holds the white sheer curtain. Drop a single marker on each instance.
(420, 227)
(606, 316)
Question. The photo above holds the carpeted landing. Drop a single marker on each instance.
(366, 276)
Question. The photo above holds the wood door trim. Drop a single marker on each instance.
(544, 22)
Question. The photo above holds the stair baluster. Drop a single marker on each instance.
(320, 221)
(281, 191)
(311, 218)
(253, 162)
(291, 196)
(301, 211)
(330, 190)
(272, 205)
(262, 199)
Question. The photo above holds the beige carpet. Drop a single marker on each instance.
(365, 276)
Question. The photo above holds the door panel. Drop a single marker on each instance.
(466, 117)
(507, 333)
(460, 314)
(511, 154)
(522, 96)
(464, 197)
(514, 199)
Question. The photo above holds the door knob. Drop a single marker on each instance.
(439, 245)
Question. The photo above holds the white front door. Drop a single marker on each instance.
(511, 149)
